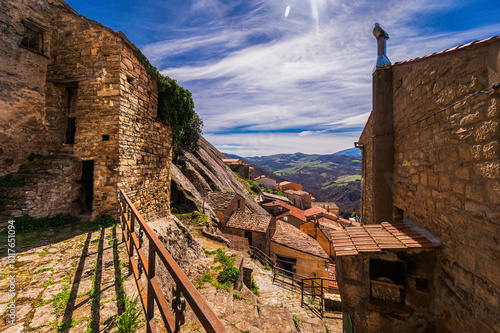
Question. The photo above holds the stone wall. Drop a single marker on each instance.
(86, 73)
(145, 142)
(447, 175)
(22, 85)
(372, 315)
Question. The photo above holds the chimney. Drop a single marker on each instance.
(383, 133)
(382, 61)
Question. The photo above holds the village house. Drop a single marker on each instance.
(286, 185)
(224, 204)
(257, 228)
(269, 197)
(268, 182)
(299, 199)
(241, 168)
(297, 252)
(329, 206)
(285, 212)
(79, 113)
(430, 158)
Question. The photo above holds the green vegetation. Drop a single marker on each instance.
(207, 277)
(60, 301)
(68, 324)
(200, 219)
(228, 274)
(356, 161)
(296, 321)
(236, 296)
(131, 318)
(44, 270)
(342, 181)
(221, 257)
(26, 224)
(175, 105)
(255, 287)
(267, 190)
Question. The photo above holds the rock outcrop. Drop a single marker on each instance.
(194, 177)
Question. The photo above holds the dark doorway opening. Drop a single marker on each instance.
(248, 235)
(87, 195)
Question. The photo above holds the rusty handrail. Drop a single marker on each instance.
(313, 290)
(171, 318)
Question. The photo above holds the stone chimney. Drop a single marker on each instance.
(383, 132)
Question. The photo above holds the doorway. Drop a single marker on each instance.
(87, 194)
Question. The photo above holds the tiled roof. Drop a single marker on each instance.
(313, 211)
(455, 49)
(293, 238)
(375, 238)
(293, 211)
(275, 196)
(325, 205)
(284, 183)
(262, 177)
(296, 192)
(220, 201)
(249, 221)
(332, 274)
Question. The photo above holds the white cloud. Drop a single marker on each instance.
(312, 73)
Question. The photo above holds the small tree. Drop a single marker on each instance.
(192, 134)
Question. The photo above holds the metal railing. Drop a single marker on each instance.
(173, 315)
(317, 288)
(309, 287)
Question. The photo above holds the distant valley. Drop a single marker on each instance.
(334, 177)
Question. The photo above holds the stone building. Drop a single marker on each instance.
(286, 185)
(74, 94)
(299, 199)
(430, 155)
(268, 182)
(241, 168)
(297, 252)
(257, 228)
(225, 204)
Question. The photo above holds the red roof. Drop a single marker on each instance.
(455, 49)
(313, 211)
(293, 211)
(375, 238)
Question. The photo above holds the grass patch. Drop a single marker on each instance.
(41, 270)
(68, 324)
(207, 277)
(131, 319)
(200, 219)
(221, 257)
(236, 296)
(61, 300)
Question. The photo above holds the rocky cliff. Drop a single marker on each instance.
(195, 176)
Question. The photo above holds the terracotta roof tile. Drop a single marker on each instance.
(296, 192)
(325, 205)
(249, 221)
(313, 211)
(458, 48)
(275, 197)
(293, 238)
(375, 238)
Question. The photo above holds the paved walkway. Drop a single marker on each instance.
(67, 280)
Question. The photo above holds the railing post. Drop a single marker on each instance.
(302, 294)
(321, 298)
(151, 274)
(130, 233)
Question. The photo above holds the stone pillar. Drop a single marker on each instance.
(383, 135)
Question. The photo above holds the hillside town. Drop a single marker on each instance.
(112, 223)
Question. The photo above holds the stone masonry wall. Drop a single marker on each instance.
(366, 170)
(22, 84)
(145, 142)
(89, 54)
(447, 176)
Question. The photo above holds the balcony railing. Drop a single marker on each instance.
(172, 315)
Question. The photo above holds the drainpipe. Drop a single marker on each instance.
(383, 132)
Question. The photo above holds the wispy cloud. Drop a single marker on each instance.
(307, 73)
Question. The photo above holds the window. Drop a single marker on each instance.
(387, 281)
(33, 36)
(105, 137)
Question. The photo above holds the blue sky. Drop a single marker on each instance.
(285, 76)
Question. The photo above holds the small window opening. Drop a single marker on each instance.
(239, 204)
(71, 120)
(387, 280)
(130, 79)
(105, 137)
(32, 36)
(399, 214)
(422, 284)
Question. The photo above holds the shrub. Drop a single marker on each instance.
(255, 287)
(221, 257)
(228, 274)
